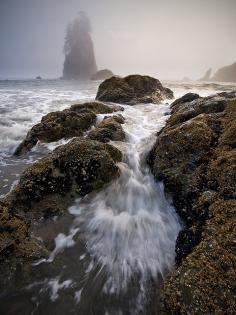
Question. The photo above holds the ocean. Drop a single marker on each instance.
(111, 246)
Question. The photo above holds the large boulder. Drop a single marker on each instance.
(109, 129)
(68, 123)
(102, 75)
(133, 89)
(195, 156)
(50, 185)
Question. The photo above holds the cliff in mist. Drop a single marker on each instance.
(80, 60)
(206, 76)
(226, 74)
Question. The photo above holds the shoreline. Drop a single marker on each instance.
(178, 206)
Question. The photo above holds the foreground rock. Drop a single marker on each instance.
(50, 185)
(68, 123)
(102, 75)
(195, 156)
(132, 90)
(109, 129)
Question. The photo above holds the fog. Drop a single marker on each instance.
(169, 39)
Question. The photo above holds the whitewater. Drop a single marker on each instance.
(113, 248)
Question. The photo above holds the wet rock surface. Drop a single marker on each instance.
(68, 123)
(109, 129)
(49, 186)
(195, 156)
(133, 89)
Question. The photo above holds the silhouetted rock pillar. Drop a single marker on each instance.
(80, 60)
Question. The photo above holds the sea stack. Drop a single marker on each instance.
(80, 60)
(206, 76)
(226, 74)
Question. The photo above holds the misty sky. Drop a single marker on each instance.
(169, 39)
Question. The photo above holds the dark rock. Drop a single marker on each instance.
(109, 129)
(50, 186)
(80, 60)
(133, 89)
(14, 236)
(102, 75)
(195, 156)
(38, 78)
(225, 74)
(68, 123)
(182, 109)
(118, 118)
(55, 126)
(96, 107)
(189, 97)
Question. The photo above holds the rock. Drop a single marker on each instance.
(48, 188)
(189, 97)
(102, 75)
(96, 107)
(225, 74)
(195, 156)
(191, 105)
(55, 126)
(132, 90)
(68, 123)
(80, 60)
(80, 166)
(15, 237)
(50, 185)
(206, 76)
(118, 118)
(109, 129)
(38, 78)
(204, 283)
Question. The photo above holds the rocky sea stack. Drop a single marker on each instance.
(225, 74)
(133, 89)
(195, 156)
(80, 60)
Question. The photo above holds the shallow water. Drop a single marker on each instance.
(112, 248)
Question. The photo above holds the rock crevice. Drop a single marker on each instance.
(195, 156)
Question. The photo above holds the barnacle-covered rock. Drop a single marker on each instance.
(50, 185)
(68, 123)
(195, 156)
(109, 129)
(133, 89)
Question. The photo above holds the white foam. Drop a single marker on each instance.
(55, 286)
(62, 241)
(131, 228)
(78, 296)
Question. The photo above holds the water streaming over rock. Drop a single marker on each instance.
(112, 246)
(131, 227)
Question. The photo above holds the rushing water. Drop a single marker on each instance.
(113, 247)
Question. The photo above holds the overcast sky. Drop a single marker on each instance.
(165, 38)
